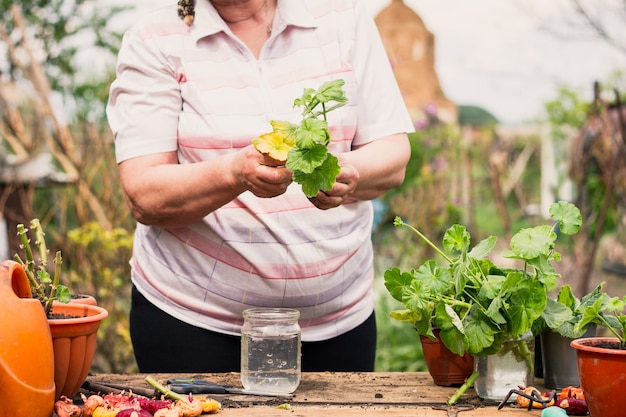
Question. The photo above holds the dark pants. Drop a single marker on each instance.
(165, 344)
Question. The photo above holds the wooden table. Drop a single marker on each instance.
(341, 394)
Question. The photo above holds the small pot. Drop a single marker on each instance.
(445, 367)
(74, 341)
(558, 357)
(602, 372)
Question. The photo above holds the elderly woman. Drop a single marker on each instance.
(218, 230)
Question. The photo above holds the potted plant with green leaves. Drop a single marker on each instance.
(73, 325)
(482, 308)
(601, 361)
(557, 354)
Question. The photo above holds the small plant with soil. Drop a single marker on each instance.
(44, 286)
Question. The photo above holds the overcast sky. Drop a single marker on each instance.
(504, 56)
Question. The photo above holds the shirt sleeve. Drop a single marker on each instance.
(144, 100)
(383, 111)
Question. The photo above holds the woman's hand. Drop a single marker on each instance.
(342, 190)
(261, 175)
(367, 172)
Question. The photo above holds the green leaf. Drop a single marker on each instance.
(556, 314)
(479, 335)
(491, 287)
(545, 271)
(44, 276)
(311, 133)
(567, 298)
(592, 314)
(424, 326)
(483, 248)
(526, 303)
(456, 239)
(530, 243)
(304, 99)
(322, 178)
(417, 298)
(451, 328)
(331, 91)
(404, 315)
(63, 294)
(494, 311)
(396, 282)
(567, 215)
(436, 278)
(306, 160)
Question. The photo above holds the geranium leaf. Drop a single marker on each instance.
(456, 239)
(483, 248)
(322, 178)
(437, 279)
(331, 91)
(306, 160)
(526, 304)
(555, 314)
(63, 294)
(479, 335)
(416, 297)
(397, 281)
(532, 242)
(567, 215)
(312, 133)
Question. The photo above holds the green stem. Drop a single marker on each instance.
(467, 385)
(163, 390)
(29, 264)
(431, 244)
(55, 281)
(622, 339)
(454, 302)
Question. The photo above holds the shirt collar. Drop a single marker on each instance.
(289, 13)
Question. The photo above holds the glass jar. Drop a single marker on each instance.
(508, 369)
(270, 350)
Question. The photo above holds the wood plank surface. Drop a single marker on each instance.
(338, 394)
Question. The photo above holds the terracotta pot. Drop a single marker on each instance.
(26, 359)
(446, 368)
(602, 374)
(84, 299)
(74, 341)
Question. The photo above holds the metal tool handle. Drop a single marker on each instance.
(195, 386)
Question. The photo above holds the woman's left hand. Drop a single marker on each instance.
(342, 190)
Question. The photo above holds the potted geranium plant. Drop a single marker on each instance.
(601, 361)
(480, 307)
(73, 326)
(557, 354)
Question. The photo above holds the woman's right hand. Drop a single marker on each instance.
(259, 174)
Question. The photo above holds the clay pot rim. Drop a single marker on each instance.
(86, 313)
(589, 344)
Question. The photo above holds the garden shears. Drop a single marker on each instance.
(201, 386)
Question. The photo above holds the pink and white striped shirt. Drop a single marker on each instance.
(199, 91)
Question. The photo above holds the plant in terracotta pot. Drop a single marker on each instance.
(480, 307)
(73, 326)
(601, 361)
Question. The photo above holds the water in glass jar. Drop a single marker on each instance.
(270, 361)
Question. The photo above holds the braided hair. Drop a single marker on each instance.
(186, 11)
